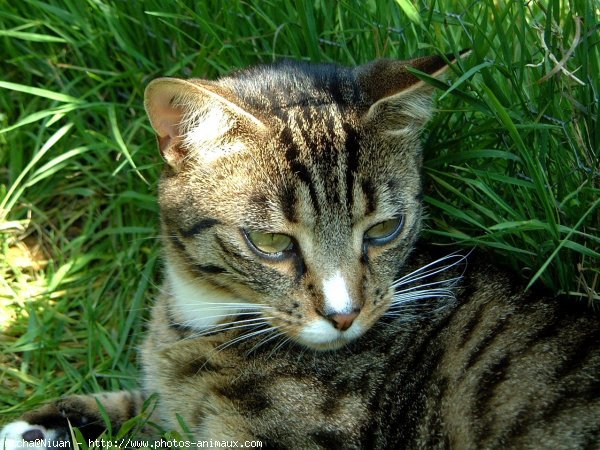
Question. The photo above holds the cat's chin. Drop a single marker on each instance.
(329, 346)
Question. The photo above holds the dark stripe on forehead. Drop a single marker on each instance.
(352, 155)
(326, 159)
(370, 196)
(393, 186)
(260, 198)
(287, 200)
(303, 124)
(304, 175)
(199, 227)
(291, 152)
(297, 167)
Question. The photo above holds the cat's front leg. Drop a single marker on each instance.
(48, 426)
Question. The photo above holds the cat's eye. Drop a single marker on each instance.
(385, 231)
(269, 244)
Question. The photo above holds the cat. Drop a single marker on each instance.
(298, 308)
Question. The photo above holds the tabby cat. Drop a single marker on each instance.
(297, 307)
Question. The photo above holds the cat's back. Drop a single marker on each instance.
(501, 368)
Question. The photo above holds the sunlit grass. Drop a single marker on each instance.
(511, 157)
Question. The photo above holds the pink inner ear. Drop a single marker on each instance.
(167, 130)
(166, 120)
(164, 142)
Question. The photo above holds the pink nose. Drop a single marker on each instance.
(343, 321)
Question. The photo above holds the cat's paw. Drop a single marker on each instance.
(23, 435)
(50, 425)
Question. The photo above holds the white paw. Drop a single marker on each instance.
(21, 435)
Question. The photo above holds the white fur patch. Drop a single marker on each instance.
(199, 306)
(321, 333)
(337, 298)
(207, 135)
(207, 126)
(11, 436)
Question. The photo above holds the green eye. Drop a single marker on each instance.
(269, 243)
(384, 232)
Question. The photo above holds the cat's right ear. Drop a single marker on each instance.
(193, 119)
(401, 102)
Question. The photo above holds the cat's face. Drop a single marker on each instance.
(291, 192)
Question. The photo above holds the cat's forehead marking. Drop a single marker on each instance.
(320, 151)
(314, 114)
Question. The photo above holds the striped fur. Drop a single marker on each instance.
(435, 352)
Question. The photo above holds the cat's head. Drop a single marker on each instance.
(292, 191)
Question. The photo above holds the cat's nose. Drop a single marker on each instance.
(343, 321)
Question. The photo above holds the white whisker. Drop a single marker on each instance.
(243, 337)
(427, 270)
(430, 264)
(284, 341)
(407, 303)
(421, 293)
(219, 316)
(450, 282)
(229, 326)
(420, 296)
(240, 338)
(217, 305)
(218, 325)
(265, 340)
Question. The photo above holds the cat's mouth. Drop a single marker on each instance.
(320, 334)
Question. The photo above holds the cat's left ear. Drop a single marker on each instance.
(399, 100)
(196, 118)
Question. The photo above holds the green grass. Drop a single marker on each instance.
(512, 156)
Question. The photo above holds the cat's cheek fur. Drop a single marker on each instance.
(195, 303)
